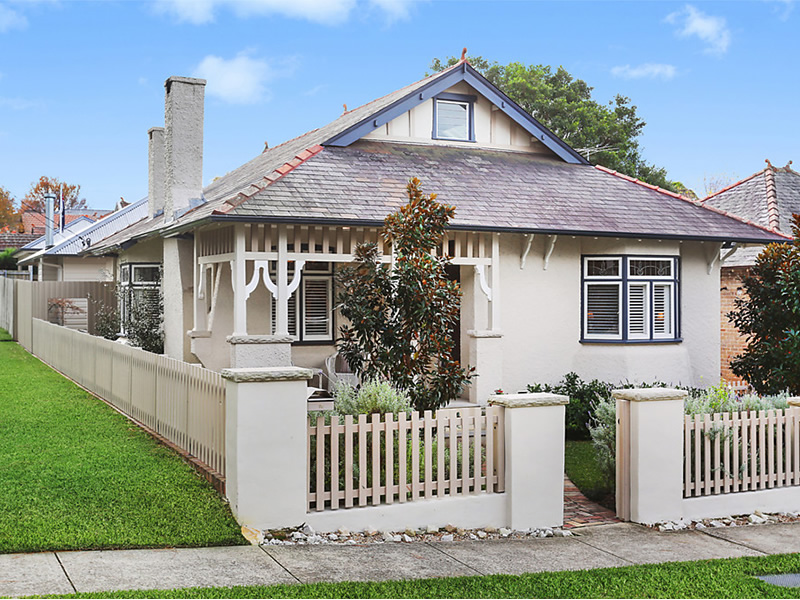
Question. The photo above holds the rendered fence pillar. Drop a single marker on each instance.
(266, 431)
(534, 436)
(260, 350)
(649, 454)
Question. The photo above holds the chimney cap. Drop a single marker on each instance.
(188, 80)
(152, 129)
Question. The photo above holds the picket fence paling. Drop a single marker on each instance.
(184, 403)
(352, 461)
(741, 451)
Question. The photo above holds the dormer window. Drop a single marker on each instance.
(453, 117)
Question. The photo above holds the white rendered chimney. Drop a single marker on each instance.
(183, 118)
(156, 171)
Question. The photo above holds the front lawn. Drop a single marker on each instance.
(728, 578)
(74, 474)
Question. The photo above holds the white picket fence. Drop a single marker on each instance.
(182, 402)
(741, 451)
(383, 460)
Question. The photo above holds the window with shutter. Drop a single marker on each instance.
(317, 308)
(638, 316)
(603, 309)
(630, 299)
(662, 310)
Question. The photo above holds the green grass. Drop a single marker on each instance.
(5, 336)
(74, 474)
(580, 463)
(728, 578)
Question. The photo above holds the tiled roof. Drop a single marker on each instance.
(768, 197)
(491, 190)
(15, 240)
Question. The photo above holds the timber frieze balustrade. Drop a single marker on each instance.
(741, 451)
(245, 256)
(183, 403)
(356, 461)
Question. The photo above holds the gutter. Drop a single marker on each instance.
(180, 229)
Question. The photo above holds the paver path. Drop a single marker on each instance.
(579, 511)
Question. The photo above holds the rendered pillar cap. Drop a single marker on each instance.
(649, 394)
(526, 400)
(262, 374)
(260, 339)
(794, 401)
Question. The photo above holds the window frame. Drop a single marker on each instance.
(626, 281)
(130, 283)
(464, 99)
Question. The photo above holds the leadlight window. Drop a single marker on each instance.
(630, 298)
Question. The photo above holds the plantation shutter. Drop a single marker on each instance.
(662, 310)
(603, 309)
(637, 311)
(317, 308)
(292, 314)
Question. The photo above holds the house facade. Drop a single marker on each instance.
(769, 198)
(563, 266)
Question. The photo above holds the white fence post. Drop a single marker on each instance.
(649, 454)
(266, 429)
(534, 465)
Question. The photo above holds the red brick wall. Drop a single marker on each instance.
(732, 343)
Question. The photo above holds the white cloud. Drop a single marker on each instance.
(645, 71)
(239, 80)
(326, 12)
(708, 28)
(11, 19)
(784, 8)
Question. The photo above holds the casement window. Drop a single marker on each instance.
(453, 117)
(140, 285)
(630, 299)
(311, 305)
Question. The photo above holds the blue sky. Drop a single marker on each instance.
(81, 82)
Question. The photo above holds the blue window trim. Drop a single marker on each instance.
(463, 98)
(675, 280)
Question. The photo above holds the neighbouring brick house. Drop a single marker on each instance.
(768, 198)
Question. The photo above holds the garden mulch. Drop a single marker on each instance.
(579, 511)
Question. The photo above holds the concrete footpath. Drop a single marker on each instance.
(614, 545)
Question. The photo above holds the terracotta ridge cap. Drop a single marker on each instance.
(697, 203)
(266, 181)
(773, 217)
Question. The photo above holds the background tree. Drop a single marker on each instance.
(8, 213)
(402, 319)
(7, 260)
(769, 314)
(605, 134)
(34, 199)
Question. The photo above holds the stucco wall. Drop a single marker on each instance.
(88, 268)
(541, 317)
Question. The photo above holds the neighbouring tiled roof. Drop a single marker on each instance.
(35, 222)
(15, 240)
(490, 189)
(768, 197)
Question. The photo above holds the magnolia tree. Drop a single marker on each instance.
(401, 319)
(769, 315)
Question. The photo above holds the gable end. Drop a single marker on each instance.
(435, 88)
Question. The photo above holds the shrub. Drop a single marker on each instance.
(373, 396)
(603, 430)
(581, 397)
(720, 399)
(768, 313)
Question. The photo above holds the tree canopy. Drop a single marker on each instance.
(8, 212)
(34, 199)
(768, 313)
(605, 134)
